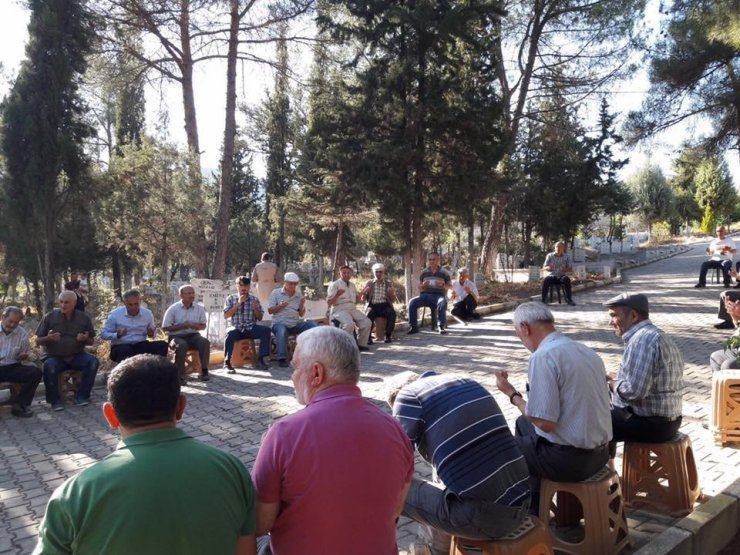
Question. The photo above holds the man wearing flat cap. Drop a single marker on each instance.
(647, 388)
(288, 307)
(380, 295)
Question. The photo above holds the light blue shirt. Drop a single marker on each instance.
(290, 315)
(137, 326)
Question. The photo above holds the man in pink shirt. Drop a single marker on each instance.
(332, 478)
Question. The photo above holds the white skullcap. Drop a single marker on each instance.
(378, 266)
(291, 277)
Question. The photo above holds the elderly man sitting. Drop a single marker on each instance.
(287, 307)
(558, 264)
(721, 251)
(380, 295)
(464, 297)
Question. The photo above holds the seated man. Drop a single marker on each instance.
(721, 251)
(128, 327)
(457, 426)
(435, 281)
(342, 298)
(14, 349)
(183, 322)
(380, 295)
(464, 297)
(287, 307)
(331, 479)
(244, 311)
(647, 389)
(63, 333)
(558, 265)
(724, 320)
(565, 427)
(726, 358)
(160, 491)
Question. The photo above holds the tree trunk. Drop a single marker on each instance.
(116, 271)
(339, 255)
(223, 216)
(49, 273)
(200, 246)
(471, 244)
(492, 242)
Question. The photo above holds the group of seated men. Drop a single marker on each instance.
(333, 477)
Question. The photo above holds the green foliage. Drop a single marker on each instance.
(43, 138)
(417, 129)
(652, 195)
(714, 189)
(694, 72)
(147, 196)
(708, 221)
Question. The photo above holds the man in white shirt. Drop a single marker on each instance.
(128, 329)
(342, 298)
(183, 323)
(721, 251)
(14, 349)
(464, 297)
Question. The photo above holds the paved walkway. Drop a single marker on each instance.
(232, 412)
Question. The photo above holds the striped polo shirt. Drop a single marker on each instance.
(457, 426)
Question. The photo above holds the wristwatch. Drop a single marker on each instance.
(515, 393)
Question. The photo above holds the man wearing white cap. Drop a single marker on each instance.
(287, 307)
(380, 296)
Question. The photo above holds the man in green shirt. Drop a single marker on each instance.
(160, 491)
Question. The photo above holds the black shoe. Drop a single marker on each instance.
(724, 325)
(413, 330)
(699, 286)
(261, 364)
(442, 331)
(387, 339)
(570, 302)
(183, 381)
(82, 401)
(22, 412)
(204, 376)
(228, 367)
(282, 363)
(369, 340)
(476, 316)
(736, 285)
(363, 348)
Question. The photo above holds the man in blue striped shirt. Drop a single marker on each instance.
(457, 426)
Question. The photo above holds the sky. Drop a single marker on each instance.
(255, 80)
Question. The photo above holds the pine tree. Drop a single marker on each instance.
(44, 131)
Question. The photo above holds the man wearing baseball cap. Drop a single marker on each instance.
(287, 306)
(647, 388)
(380, 295)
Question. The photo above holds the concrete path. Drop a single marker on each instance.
(232, 412)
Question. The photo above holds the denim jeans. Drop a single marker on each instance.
(435, 301)
(282, 332)
(84, 362)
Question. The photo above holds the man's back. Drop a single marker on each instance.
(568, 386)
(161, 492)
(458, 427)
(337, 468)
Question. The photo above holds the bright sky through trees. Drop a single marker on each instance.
(210, 98)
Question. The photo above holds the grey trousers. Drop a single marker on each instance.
(724, 359)
(474, 519)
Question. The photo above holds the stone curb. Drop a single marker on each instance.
(706, 530)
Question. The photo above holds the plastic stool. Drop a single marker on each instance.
(601, 509)
(717, 276)
(68, 382)
(646, 467)
(433, 312)
(244, 350)
(380, 324)
(725, 420)
(530, 538)
(291, 346)
(192, 362)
